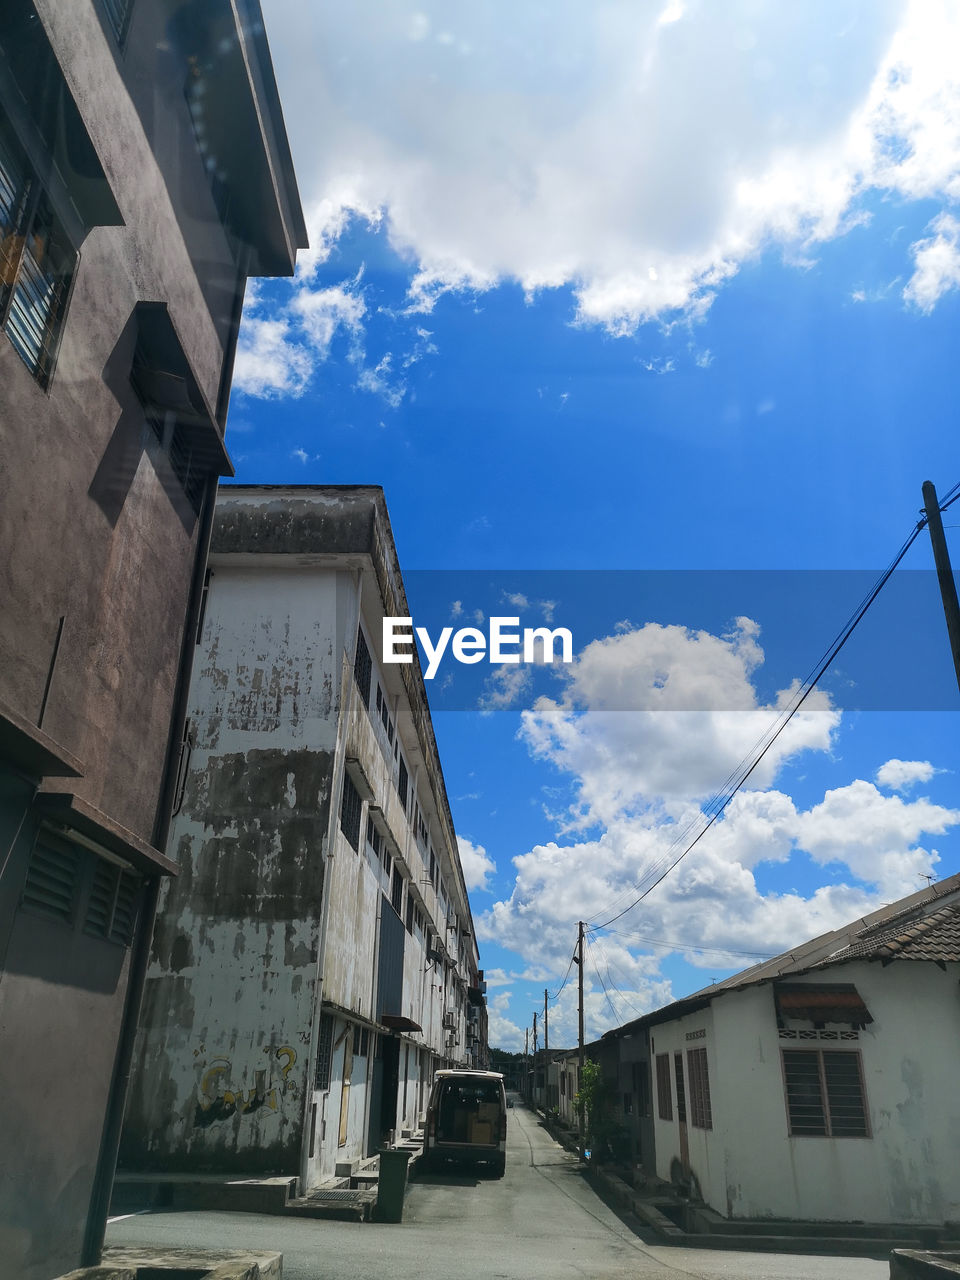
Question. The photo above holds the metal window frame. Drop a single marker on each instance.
(825, 1095)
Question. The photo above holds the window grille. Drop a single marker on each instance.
(112, 903)
(363, 669)
(37, 262)
(825, 1094)
(324, 1052)
(350, 811)
(701, 1116)
(53, 876)
(664, 1096)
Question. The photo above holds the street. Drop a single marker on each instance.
(541, 1220)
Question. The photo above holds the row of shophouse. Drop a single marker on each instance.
(224, 746)
(818, 1086)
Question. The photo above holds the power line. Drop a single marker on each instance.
(736, 780)
(692, 946)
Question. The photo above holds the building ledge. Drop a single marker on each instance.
(78, 815)
(32, 751)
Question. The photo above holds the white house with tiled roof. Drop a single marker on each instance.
(821, 1085)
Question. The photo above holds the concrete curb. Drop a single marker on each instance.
(121, 1263)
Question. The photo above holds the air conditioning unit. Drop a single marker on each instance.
(449, 1021)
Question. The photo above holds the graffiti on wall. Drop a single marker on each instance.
(217, 1102)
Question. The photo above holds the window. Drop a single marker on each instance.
(361, 1041)
(324, 1052)
(701, 1116)
(363, 669)
(396, 891)
(410, 910)
(118, 15)
(681, 1091)
(825, 1095)
(53, 877)
(37, 262)
(402, 783)
(112, 903)
(350, 811)
(67, 882)
(664, 1098)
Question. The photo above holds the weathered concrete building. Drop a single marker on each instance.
(315, 960)
(144, 174)
(819, 1085)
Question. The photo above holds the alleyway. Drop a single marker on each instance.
(541, 1221)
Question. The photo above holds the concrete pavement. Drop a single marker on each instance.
(541, 1222)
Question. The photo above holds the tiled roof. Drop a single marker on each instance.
(933, 936)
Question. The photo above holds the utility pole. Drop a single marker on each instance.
(580, 1142)
(534, 1060)
(546, 1054)
(948, 587)
(526, 1056)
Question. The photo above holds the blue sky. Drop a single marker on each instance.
(652, 287)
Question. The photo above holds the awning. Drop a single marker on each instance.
(164, 380)
(838, 1002)
(75, 814)
(396, 1022)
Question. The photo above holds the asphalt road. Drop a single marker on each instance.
(541, 1220)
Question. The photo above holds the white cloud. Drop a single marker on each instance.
(269, 361)
(476, 863)
(936, 264)
(494, 144)
(641, 777)
(502, 1032)
(658, 716)
(901, 775)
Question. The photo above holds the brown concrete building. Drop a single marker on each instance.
(144, 175)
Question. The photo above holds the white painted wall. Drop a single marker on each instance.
(907, 1171)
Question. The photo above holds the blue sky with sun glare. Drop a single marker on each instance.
(600, 301)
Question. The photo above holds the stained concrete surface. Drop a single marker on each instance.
(541, 1221)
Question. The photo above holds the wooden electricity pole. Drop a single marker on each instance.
(948, 587)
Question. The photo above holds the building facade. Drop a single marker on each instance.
(131, 214)
(315, 960)
(819, 1086)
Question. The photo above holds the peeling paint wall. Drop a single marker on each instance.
(907, 1170)
(226, 1028)
(279, 942)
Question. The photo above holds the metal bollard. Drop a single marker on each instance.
(392, 1184)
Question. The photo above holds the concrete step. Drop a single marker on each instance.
(341, 1204)
(202, 1191)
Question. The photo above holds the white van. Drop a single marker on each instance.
(467, 1120)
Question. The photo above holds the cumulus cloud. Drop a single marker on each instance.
(476, 863)
(901, 775)
(657, 716)
(936, 264)
(643, 779)
(639, 154)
